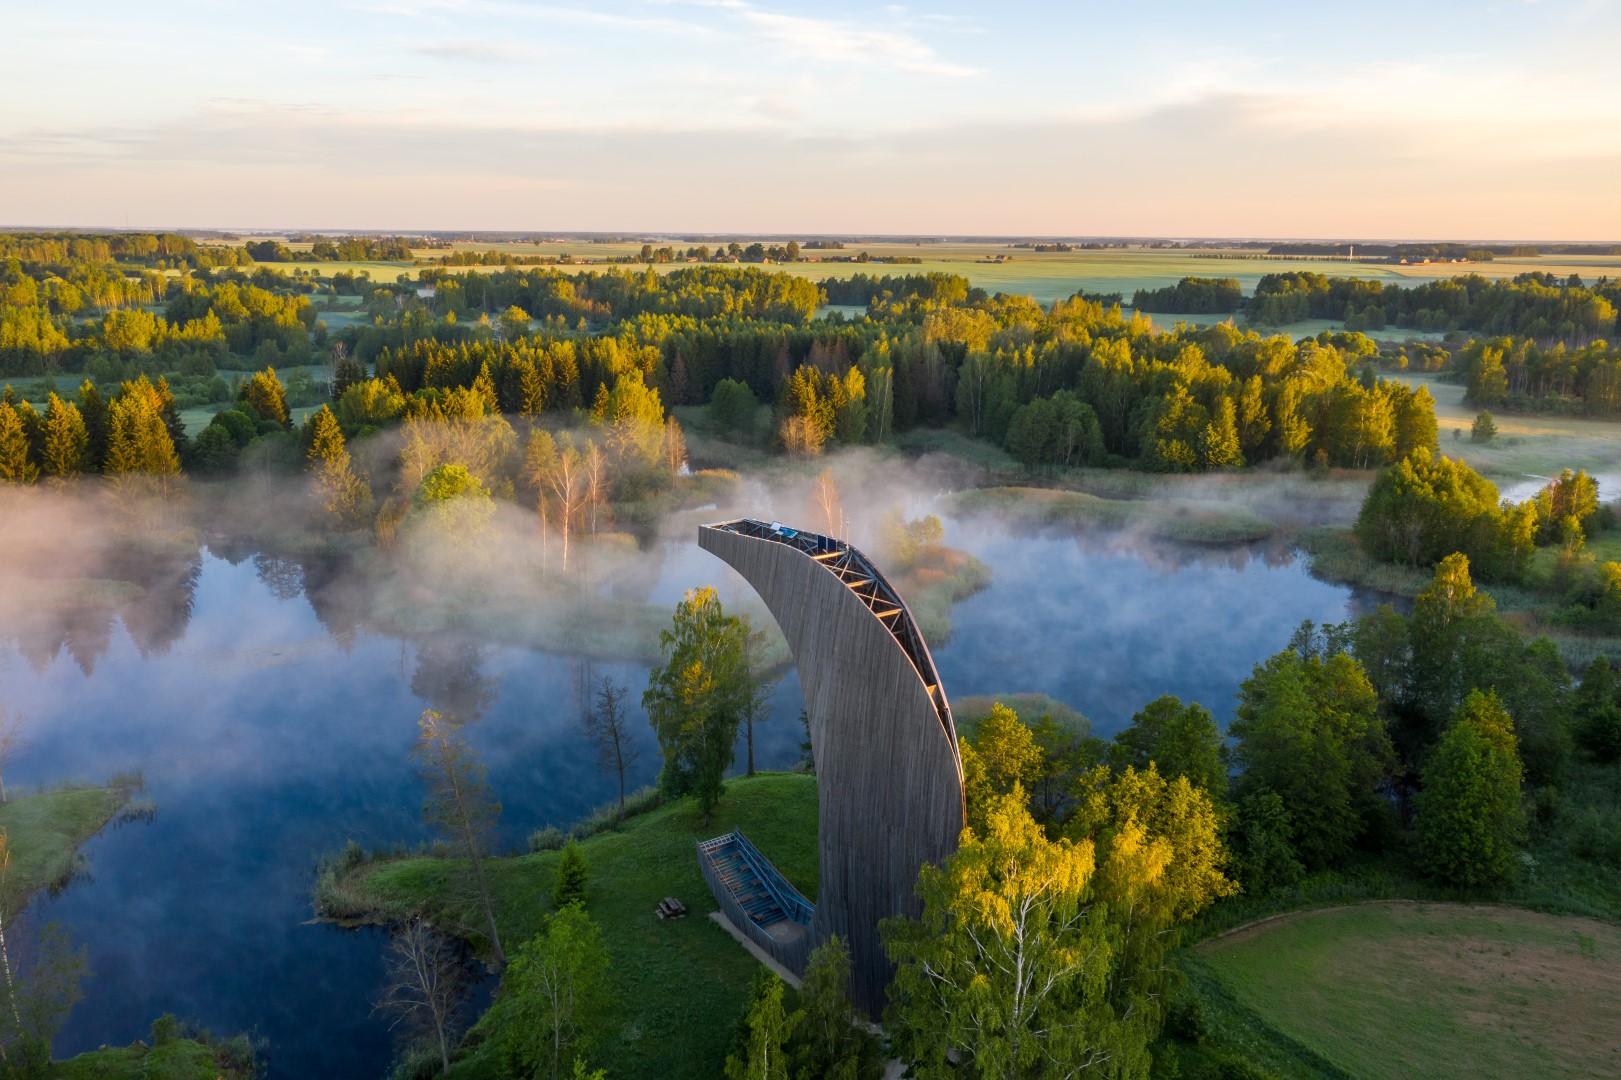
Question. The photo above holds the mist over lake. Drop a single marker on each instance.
(266, 741)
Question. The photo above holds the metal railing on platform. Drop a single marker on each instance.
(859, 574)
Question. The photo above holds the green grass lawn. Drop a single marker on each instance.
(1433, 990)
(678, 985)
(176, 1058)
(44, 830)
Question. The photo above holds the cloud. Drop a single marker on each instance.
(469, 50)
(845, 42)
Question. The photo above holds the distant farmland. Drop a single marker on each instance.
(1046, 276)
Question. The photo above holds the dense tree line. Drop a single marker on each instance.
(1535, 305)
(340, 249)
(1519, 374)
(1192, 296)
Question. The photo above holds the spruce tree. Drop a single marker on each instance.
(269, 400)
(569, 885)
(67, 443)
(93, 408)
(15, 467)
(344, 493)
(137, 439)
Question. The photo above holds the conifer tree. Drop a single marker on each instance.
(15, 467)
(572, 875)
(344, 493)
(137, 439)
(267, 396)
(67, 443)
(93, 408)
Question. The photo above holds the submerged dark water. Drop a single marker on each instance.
(266, 741)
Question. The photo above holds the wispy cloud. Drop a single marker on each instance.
(844, 42)
(473, 51)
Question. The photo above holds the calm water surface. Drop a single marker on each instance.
(265, 741)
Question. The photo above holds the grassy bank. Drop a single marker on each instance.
(174, 1053)
(1444, 990)
(44, 832)
(678, 985)
(1178, 520)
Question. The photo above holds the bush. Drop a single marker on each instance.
(550, 838)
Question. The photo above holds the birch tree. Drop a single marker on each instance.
(426, 981)
(553, 995)
(1006, 974)
(459, 805)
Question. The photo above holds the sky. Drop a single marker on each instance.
(1438, 119)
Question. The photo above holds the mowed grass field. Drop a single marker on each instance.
(1394, 990)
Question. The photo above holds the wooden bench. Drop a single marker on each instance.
(671, 908)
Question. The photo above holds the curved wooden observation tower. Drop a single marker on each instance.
(889, 779)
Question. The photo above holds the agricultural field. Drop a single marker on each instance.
(1046, 276)
(1395, 990)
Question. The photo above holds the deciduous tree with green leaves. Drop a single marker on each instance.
(1310, 731)
(1182, 740)
(459, 805)
(553, 996)
(695, 699)
(766, 1026)
(1007, 971)
(1471, 820)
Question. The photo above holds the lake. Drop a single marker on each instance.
(266, 739)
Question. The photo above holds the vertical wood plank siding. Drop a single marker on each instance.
(889, 779)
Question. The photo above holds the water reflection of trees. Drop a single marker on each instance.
(449, 676)
(150, 592)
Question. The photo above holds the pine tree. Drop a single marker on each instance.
(15, 467)
(1471, 822)
(569, 885)
(344, 493)
(67, 443)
